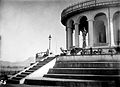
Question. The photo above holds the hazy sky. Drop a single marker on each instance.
(41, 18)
(50, 16)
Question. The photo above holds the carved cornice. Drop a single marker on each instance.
(86, 6)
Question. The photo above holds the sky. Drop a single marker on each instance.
(41, 17)
(50, 11)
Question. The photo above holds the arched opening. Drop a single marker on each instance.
(116, 27)
(71, 23)
(99, 31)
(83, 28)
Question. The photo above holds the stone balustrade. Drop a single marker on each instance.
(93, 51)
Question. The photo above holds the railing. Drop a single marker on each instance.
(88, 4)
(24, 70)
(101, 51)
(93, 51)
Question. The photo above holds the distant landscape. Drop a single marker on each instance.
(11, 68)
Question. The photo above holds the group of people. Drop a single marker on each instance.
(82, 51)
(90, 51)
(3, 79)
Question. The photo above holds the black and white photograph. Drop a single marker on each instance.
(59, 43)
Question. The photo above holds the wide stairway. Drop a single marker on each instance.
(91, 73)
(23, 74)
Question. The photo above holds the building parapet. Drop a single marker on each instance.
(85, 6)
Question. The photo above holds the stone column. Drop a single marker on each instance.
(112, 43)
(110, 28)
(77, 35)
(69, 38)
(84, 33)
(66, 38)
(90, 33)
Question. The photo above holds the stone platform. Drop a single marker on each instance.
(81, 71)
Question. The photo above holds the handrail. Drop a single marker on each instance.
(24, 70)
(87, 4)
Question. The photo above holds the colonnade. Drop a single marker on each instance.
(103, 30)
(103, 24)
(69, 35)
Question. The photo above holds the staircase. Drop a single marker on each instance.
(85, 73)
(20, 77)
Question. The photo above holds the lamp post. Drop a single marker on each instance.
(49, 42)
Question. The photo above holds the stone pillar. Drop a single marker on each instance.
(84, 33)
(112, 43)
(69, 38)
(90, 33)
(110, 28)
(77, 35)
(66, 38)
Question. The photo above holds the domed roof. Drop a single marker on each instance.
(86, 6)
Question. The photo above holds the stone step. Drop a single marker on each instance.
(84, 77)
(13, 81)
(41, 64)
(49, 59)
(17, 78)
(21, 75)
(87, 65)
(27, 73)
(95, 71)
(68, 82)
(24, 85)
(87, 59)
(30, 71)
(34, 68)
(46, 60)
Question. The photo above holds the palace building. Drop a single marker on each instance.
(100, 19)
(96, 63)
